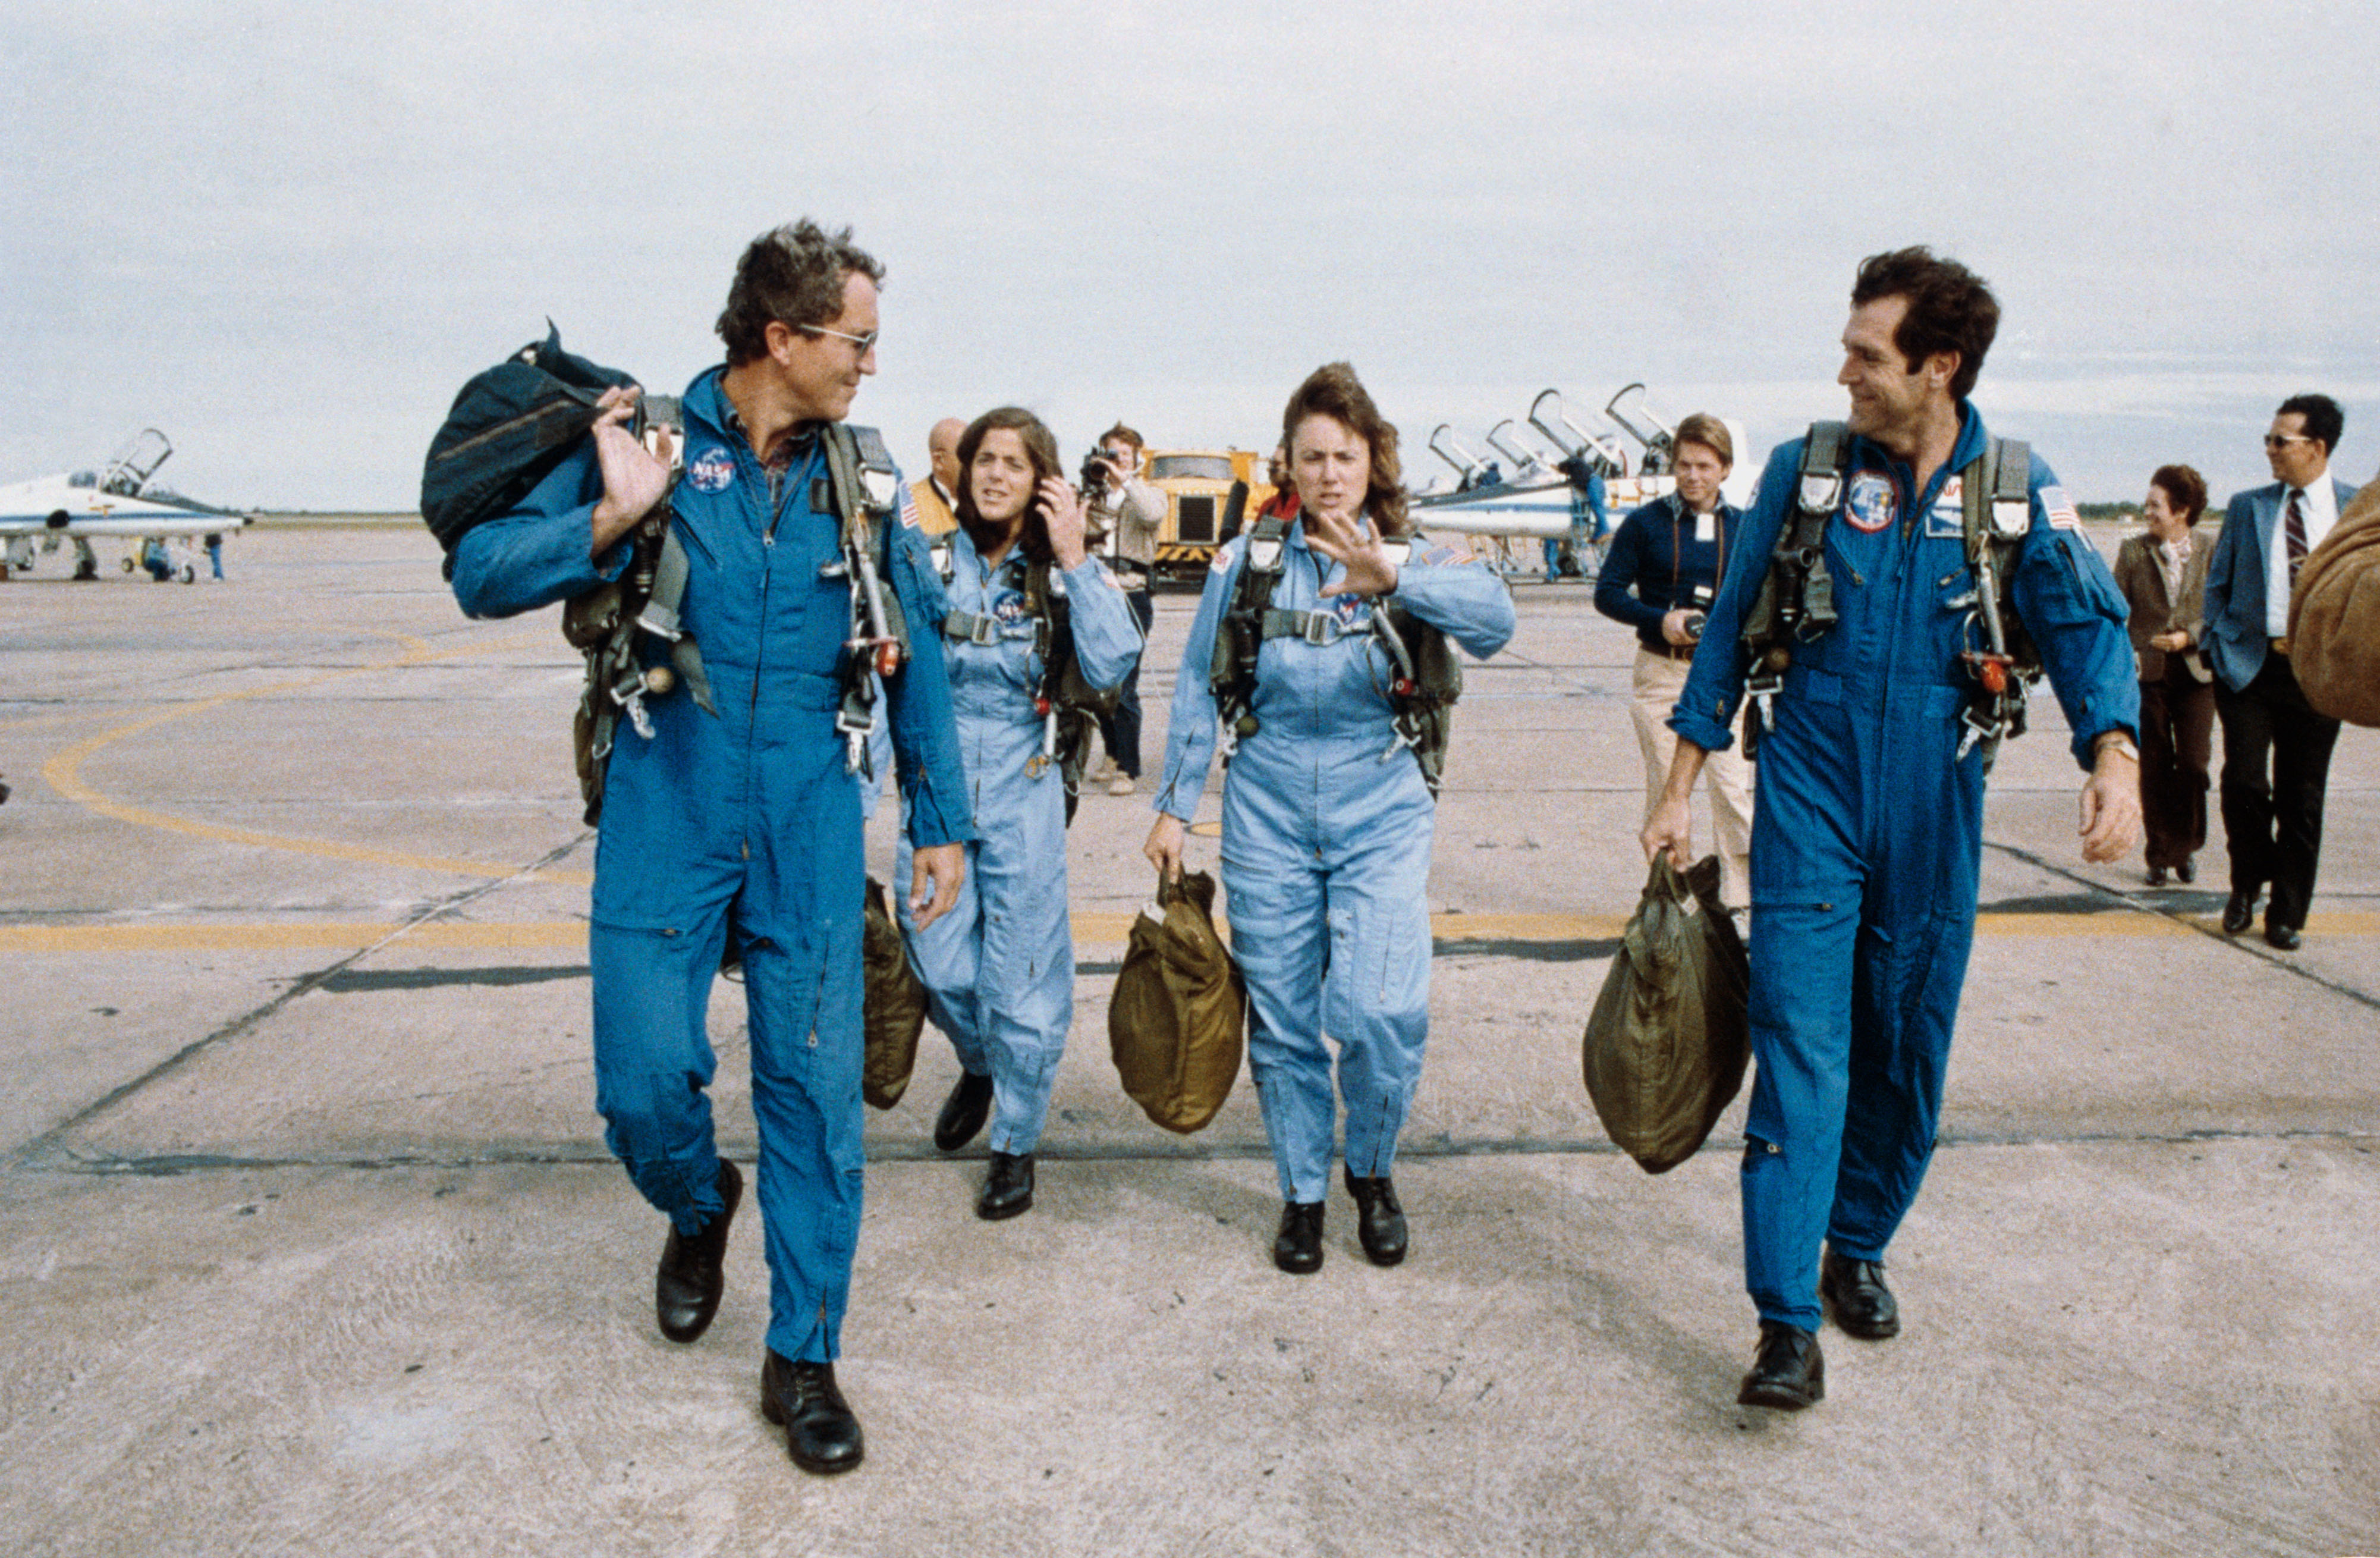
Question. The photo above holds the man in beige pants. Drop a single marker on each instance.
(1658, 577)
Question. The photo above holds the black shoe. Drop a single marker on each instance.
(1379, 1221)
(1298, 1248)
(820, 1432)
(1008, 1189)
(2239, 913)
(964, 1111)
(1789, 1373)
(692, 1274)
(2289, 938)
(1854, 1290)
(2185, 873)
(2156, 876)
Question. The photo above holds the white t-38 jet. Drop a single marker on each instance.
(116, 501)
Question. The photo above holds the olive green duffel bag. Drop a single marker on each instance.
(2334, 617)
(895, 1004)
(1176, 1024)
(1666, 1048)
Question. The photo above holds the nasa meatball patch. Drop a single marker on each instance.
(1873, 504)
(711, 471)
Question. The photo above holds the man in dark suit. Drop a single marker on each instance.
(2276, 747)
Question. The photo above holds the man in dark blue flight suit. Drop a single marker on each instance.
(1867, 841)
(746, 820)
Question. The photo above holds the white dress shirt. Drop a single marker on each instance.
(2321, 514)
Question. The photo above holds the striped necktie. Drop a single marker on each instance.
(2293, 531)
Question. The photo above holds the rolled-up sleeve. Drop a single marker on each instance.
(2068, 601)
(540, 553)
(1107, 636)
(1461, 598)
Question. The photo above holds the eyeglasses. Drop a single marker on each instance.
(865, 343)
(2283, 440)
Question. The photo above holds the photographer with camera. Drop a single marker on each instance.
(1663, 569)
(1122, 522)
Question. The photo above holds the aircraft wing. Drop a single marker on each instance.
(55, 506)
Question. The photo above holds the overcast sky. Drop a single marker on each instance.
(285, 234)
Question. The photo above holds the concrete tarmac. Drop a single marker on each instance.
(313, 1245)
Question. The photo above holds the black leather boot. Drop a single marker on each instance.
(1854, 1290)
(964, 1111)
(1298, 1247)
(693, 1271)
(1008, 1189)
(1788, 1373)
(1379, 1220)
(822, 1433)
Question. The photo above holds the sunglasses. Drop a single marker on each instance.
(865, 343)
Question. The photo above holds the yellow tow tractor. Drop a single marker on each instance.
(1198, 484)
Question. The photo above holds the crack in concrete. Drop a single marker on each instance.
(2238, 944)
(49, 1140)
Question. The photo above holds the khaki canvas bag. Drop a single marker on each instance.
(894, 1004)
(1176, 1025)
(2334, 617)
(1666, 1048)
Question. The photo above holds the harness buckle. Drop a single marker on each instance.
(1980, 727)
(1762, 687)
(1323, 628)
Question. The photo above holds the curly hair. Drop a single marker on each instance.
(1040, 452)
(2184, 489)
(1334, 391)
(795, 274)
(1951, 309)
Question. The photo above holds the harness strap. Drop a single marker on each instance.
(970, 627)
(866, 488)
(661, 617)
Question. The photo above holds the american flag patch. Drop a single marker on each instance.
(908, 507)
(2060, 509)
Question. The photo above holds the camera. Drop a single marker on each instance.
(1697, 605)
(1095, 473)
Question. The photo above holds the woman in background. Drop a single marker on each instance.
(2163, 575)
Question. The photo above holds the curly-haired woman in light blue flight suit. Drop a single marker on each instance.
(1326, 818)
(999, 968)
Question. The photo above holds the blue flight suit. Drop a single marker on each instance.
(749, 810)
(1867, 841)
(999, 969)
(1327, 826)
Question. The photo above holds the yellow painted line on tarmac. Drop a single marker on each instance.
(1092, 929)
(338, 936)
(64, 772)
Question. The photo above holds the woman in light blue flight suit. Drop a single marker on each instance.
(1326, 818)
(999, 969)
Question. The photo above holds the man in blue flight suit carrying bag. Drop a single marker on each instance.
(732, 808)
(1884, 645)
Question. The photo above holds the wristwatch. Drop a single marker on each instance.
(2117, 741)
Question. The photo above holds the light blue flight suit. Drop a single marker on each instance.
(749, 810)
(999, 968)
(1327, 827)
(1867, 842)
